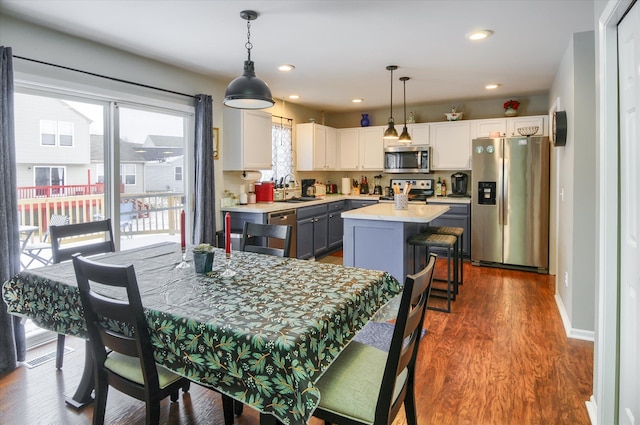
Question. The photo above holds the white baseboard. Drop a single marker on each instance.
(571, 332)
(592, 410)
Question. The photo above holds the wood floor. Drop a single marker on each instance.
(501, 357)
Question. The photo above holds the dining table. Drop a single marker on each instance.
(263, 336)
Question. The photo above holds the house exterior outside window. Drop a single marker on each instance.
(128, 174)
(56, 133)
(178, 173)
(48, 176)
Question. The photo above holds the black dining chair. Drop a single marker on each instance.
(366, 385)
(124, 358)
(258, 238)
(100, 240)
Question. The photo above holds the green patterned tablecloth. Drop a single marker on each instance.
(263, 337)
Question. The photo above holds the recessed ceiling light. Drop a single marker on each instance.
(286, 67)
(357, 100)
(491, 86)
(479, 35)
(294, 96)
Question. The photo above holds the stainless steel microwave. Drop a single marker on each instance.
(407, 159)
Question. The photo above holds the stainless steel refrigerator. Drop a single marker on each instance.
(510, 202)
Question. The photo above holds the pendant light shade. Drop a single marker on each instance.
(405, 137)
(390, 132)
(248, 91)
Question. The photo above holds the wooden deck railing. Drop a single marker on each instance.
(154, 213)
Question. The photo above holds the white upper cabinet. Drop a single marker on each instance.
(508, 126)
(450, 145)
(371, 148)
(540, 121)
(317, 147)
(361, 148)
(349, 146)
(246, 140)
(419, 134)
(483, 128)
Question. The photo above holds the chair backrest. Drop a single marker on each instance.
(132, 339)
(278, 239)
(94, 229)
(399, 370)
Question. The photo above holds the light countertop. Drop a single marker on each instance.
(415, 213)
(263, 207)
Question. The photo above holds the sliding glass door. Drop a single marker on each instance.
(151, 173)
(89, 158)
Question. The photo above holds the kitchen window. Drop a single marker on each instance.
(281, 152)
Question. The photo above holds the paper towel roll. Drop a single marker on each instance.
(253, 176)
(346, 186)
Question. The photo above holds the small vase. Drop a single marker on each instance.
(510, 112)
(203, 261)
(364, 122)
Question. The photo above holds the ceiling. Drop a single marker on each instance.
(340, 49)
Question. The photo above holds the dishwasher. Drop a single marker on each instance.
(284, 217)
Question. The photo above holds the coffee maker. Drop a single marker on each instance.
(308, 187)
(459, 184)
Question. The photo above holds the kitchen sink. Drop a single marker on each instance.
(300, 199)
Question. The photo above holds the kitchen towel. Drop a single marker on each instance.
(346, 186)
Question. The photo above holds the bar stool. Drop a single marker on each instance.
(449, 242)
(457, 232)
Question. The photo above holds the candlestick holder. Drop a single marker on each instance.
(183, 264)
(228, 271)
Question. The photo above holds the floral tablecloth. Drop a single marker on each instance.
(263, 336)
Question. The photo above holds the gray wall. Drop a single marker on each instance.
(574, 182)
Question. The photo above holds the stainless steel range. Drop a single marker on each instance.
(421, 189)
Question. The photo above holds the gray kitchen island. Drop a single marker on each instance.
(375, 237)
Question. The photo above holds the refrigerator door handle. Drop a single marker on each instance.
(505, 192)
(499, 200)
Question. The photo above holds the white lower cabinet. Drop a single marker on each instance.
(450, 145)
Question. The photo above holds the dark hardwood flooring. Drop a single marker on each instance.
(501, 357)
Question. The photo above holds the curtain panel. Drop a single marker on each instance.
(204, 214)
(12, 341)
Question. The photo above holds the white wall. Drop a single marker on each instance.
(573, 187)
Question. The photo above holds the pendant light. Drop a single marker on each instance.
(248, 91)
(390, 132)
(405, 137)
